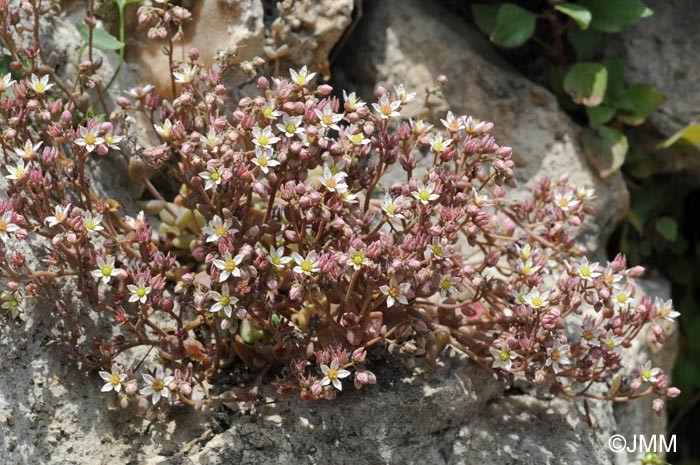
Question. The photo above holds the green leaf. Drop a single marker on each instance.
(615, 15)
(616, 77)
(668, 228)
(641, 100)
(587, 43)
(556, 83)
(121, 4)
(514, 26)
(578, 13)
(100, 38)
(600, 114)
(586, 83)
(689, 135)
(249, 333)
(605, 147)
(485, 16)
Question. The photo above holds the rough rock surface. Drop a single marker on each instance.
(413, 42)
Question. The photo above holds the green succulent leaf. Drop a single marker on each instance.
(586, 83)
(578, 13)
(615, 15)
(640, 100)
(586, 43)
(668, 228)
(121, 4)
(600, 114)
(605, 147)
(100, 38)
(617, 80)
(514, 26)
(485, 16)
(688, 136)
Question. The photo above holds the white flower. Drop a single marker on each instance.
(139, 291)
(480, 200)
(649, 374)
(585, 194)
(7, 226)
(622, 298)
(526, 267)
(40, 85)
(537, 299)
(565, 201)
(141, 92)
(357, 259)
(387, 108)
(303, 77)
(165, 129)
(474, 126)
(448, 286)
(395, 292)
(333, 182)
(228, 266)
(557, 355)
(135, 223)
(105, 270)
(212, 177)
(211, 140)
(611, 341)
(157, 386)
(12, 301)
(113, 380)
(590, 336)
(352, 103)
(263, 159)
(403, 95)
(437, 143)
(664, 310)
(419, 127)
(438, 250)
(18, 171)
(6, 82)
(264, 137)
(218, 228)
(291, 125)
(269, 110)
(612, 278)
(347, 197)
(112, 140)
(502, 357)
(187, 75)
(525, 251)
(29, 150)
(452, 123)
(390, 206)
(92, 223)
(328, 118)
(306, 265)
(89, 138)
(425, 194)
(224, 301)
(587, 271)
(333, 374)
(357, 138)
(277, 258)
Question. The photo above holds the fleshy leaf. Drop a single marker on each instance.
(668, 228)
(100, 38)
(485, 16)
(586, 83)
(689, 135)
(514, 26)
(640, 101)
(578, 13)
(615, 15)
(605, 147)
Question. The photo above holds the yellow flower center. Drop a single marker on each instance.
(437, 250)
(394, 292)
(307, 266)
(14, 303)
(358, 259)
(214, 176)
(90, 224)
(262, 160)
(610, 343)
(230, 265)
(621, 298)
(504, 355)
(90, 139)
(220, 230)
(586, 272)
(331, 183)
(267, 112)
(39, 87)
(537, 301)
(276, 260)
(555, 355)
(646, 374)
(446, 284)
(263, 140)
(141, 292)
(109, 139)
(115, 379)
(225, 300)
(439, 146)
(563, 202)
(527, 269)
(424, 195)
(587, 334)
(327, 119)
(106, 270)
(3, 226)
(158, 385)
(332, 374)
(290, 128)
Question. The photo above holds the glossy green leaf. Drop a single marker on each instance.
(514, 26)
(605, 147)
(615, 15)
(600, 114)
(640, 101)
(485, 16)
(617, 81)
(249, 333)
(578, 13)
(668, 228)
(689, 135)
(586, 43)
(586, 83)
(100, 38)
(121, 4)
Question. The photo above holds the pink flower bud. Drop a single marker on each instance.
(359, 355)
(325, 89)
(658, 405)
(673, 392)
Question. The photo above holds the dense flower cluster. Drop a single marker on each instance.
(307, 231)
